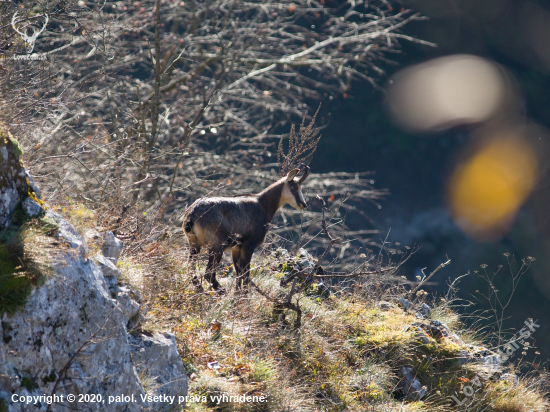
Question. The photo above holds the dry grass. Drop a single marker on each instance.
(345, 356)
(78, 215)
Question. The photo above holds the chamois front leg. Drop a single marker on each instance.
(244, 263)
(210, 274)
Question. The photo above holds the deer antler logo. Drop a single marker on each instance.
(29, 40)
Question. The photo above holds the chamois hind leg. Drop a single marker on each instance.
(192, 264)
(213, 262)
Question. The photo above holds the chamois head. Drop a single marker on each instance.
(292, 190)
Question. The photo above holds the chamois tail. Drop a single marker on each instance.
(188, 225)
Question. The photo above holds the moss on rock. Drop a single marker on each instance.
(14, 186)
(24, 261)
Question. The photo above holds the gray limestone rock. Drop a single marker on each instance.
(13, 177)
(110, 271)
(405, 303)
(423, 337)
(510, 377)
(129, 307)
(410, 385)
(70, 333)
(112, 246)
(463, 357)
(157, 359)
(33, 186)
(31, 207)
(71, 336)
(304, 259)
(384, 305)
(426, 311)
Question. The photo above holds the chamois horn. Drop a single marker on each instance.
(306, 173)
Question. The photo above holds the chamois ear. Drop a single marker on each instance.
(292, 174)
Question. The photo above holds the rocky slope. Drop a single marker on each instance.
(68, 344)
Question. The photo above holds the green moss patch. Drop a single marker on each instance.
(52, 377)
(18, 151)
(24, 262)
(29, 383)
(3, 405)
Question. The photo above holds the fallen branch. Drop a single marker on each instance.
(340, 275)
(280, 305)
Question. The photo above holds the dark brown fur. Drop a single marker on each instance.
(238, 223)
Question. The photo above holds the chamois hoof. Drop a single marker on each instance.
(218, 289)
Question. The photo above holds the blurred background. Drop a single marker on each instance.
(461, 142)
(458, 132)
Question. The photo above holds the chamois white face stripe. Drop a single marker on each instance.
(294, 199)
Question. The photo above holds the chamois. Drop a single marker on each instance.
(238, 223)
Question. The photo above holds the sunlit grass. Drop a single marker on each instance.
(344, 357)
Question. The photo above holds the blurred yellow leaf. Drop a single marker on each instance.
(488, 189)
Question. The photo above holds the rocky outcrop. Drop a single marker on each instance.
(112, 247)
(14, 184)
(71, 337)
(410, 385)
(467, 354)
(440, 345)
(158, 362)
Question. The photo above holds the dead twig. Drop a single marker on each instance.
(300, 147)
(437, 269)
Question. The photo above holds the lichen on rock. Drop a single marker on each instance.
(14, 187)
